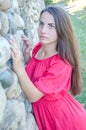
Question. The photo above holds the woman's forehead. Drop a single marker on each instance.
(47, 17)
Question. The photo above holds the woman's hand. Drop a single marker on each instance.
(18, 66)
(26, 48)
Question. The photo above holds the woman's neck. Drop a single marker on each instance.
(46, 51)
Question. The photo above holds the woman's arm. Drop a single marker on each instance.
(32, 93)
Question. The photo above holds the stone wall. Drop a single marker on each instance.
(16, 18)
(30, 10)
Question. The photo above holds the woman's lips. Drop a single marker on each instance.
(43, 37)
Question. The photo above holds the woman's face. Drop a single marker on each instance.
(47, 30)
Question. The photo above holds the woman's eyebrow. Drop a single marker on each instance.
(51, 24)
(48, 23)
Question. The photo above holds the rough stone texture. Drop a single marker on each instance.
(4, 51)
(16, 18)
(2, 102)
(5, 4)
(4, 24)
(30, 10)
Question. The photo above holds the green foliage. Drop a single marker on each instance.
(48, 2)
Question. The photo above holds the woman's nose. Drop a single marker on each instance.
(44, 29)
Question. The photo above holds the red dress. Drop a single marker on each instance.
(57, 109)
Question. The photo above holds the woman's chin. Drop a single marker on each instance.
(43, 41)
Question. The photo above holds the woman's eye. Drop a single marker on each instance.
(41, 23)
(51, 26)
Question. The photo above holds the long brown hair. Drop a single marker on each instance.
(67, 45)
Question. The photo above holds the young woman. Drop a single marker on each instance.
(52, 73)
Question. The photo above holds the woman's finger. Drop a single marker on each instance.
(14, 44)
(25, 39)
(15, 49)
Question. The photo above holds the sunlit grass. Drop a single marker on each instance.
(77, 5)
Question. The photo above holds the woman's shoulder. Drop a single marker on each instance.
(58, 61)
